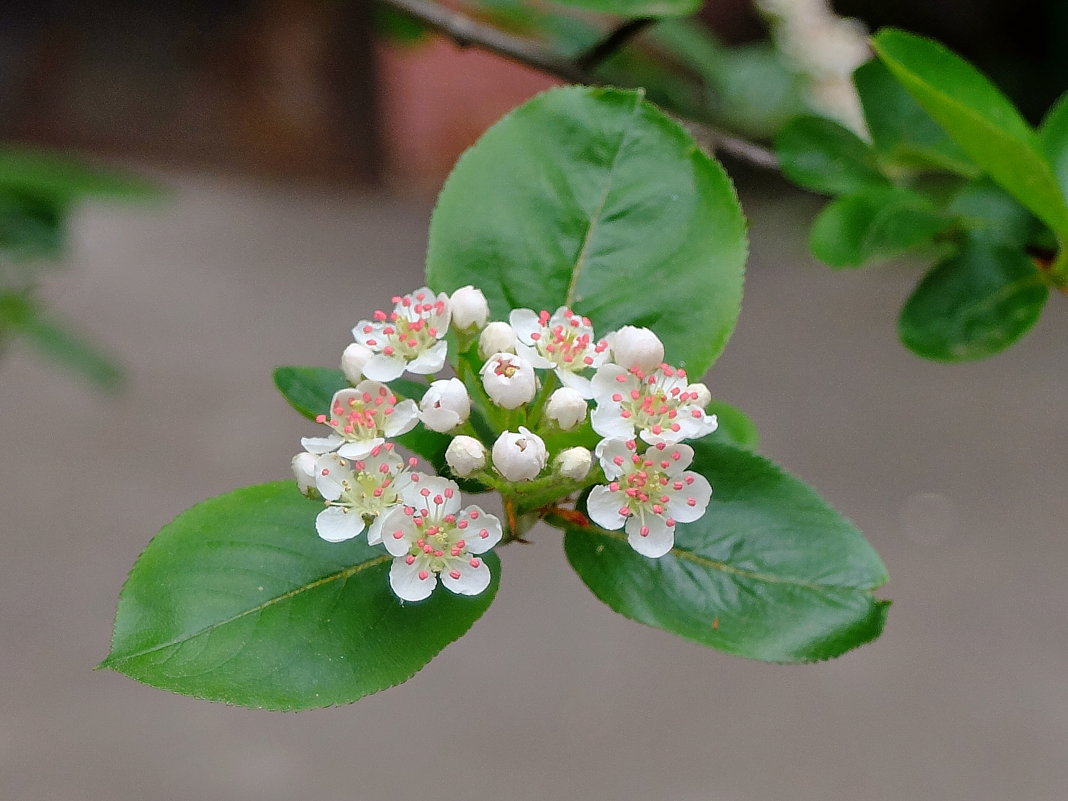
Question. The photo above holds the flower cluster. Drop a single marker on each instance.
(529, 377)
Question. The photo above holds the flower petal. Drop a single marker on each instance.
(466, 576)
(320, 445)
(680, 508)
(603, 507)
(479, 521)
(412, 582)
(390, 524)
(329, 474)
(361, 448)
(337, 524)
(580, 384)
(405, 416)
(524, 322)
(607, 422)
(608, 451)
(384, 368)
(657, 539)
(429, 361)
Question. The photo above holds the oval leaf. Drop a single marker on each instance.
(593, 198)
(770, 572)
(974, 304)
(239, 601)
(824, 156)
(979, 118)
(735, 427)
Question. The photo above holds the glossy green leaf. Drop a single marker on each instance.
(735, 427)
(63, 177)
(974, 304)
(875, 223)
(770, 572)
(595, 199)
(901, 131)
(825, 156)
(1053, 135)
(637, 8)
(979, 118)
(239, 601)
(21, 316)
(989, 213)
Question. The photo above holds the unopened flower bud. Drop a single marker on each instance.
(566, 407)
(496, 338)
(574, 463)
(445, 405)
(519, 457)
(304, 472)
(465, 455)
(636, 348)
(353, 360)
(509, 380)
(469, 308)
(699, 395)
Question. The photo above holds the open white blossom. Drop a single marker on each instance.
(432, 538)
(356, 490)
(658, 406)
(445, 405)
(509, 380)
(408, 338)
(648, 493)
(469, 308)
(562, 342)
(361, 419)
(519, 457)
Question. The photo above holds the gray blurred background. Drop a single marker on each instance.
(957, 475)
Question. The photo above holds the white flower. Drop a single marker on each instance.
(357, 489)
(361, 419)
(465, 455)
(574, 463)
(563, 342)
(648, 493)
(658, 406)
(432, 537)
(566, 407)
(509, 380)
(469, 308)
(519, 457)
(353, 360)
(496, 338)
(445, 405)
(636, 347)
(303, 465)
(699, 395)
(409, 338)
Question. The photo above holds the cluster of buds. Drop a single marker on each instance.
(536, 374)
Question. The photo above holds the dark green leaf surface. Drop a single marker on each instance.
(735, 427)
(876, 223)
(901, 131)
(979, 118)
(637, 8)
(770, 572)
(824, 156)
(239, 601)
(973, 304)
(989, 213)
(593, 198)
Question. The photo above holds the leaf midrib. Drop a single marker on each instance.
(346, 573)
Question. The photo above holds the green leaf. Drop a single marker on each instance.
(53, 338)
(594, 199)
(1053, 134)
(875, 223)
(901, 131)
(239, 601)
(31, 227)
(979, 118)
(769, 572)
(973, 304)
(822, 155)
(637, 8)
(989, 213)
(64, 178)
(735, 428)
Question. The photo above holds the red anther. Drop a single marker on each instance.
(454, 573)
(622, 379)
(676, 455)
(372, 342)
(399, 535)
(691, 502)
(409, 559)
(677, 485)
(473, 514)
(624, 511)
(697, 414)
(535, 336)
(670, 522)
(615, 397)
(625, 414)
(483, 533)
(474, 563)
(460, 544)
(644, 531)
(326, 472)
(424, 492)
(423, 575)
(614, 486)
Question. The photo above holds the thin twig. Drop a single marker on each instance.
(618, 37)
(467, 32)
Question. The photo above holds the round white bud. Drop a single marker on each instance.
(496, 338)
(303, 465)
(574, 463)
(465, 455)
(469, 308)
(509, 380)
(566, 407)
(636, 348)
(519, 457)
(353, 360)
(445, 405)
(699, 394)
